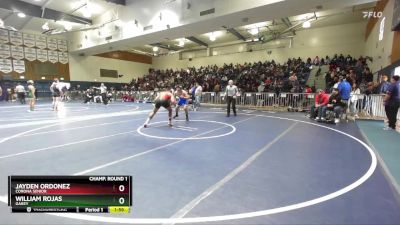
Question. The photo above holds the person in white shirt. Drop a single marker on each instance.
(20, 93)
(354, 96)
(103, 92)
(231, 92)
(198, 92)
(261, 87)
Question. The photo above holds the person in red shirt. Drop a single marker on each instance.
(305, 102)
(308, 90)
(267, 82)
(321, 100)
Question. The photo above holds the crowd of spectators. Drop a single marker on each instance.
(249, 77)
(267, 76)
(355, 71)
(346, 78)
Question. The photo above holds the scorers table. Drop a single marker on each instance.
(70, 194)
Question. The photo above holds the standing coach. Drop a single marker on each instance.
(392, 102)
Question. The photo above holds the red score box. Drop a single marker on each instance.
(94, 188)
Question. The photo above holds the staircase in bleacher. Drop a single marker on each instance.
(318, 81)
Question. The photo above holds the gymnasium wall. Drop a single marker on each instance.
(345, 38)
(87, 68)
(381, 51)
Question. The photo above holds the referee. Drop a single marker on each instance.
(103, 92)
(230, 92)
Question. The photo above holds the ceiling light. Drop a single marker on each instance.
(306, 24)
(119, 23)
(212, 37)
(181, 42)
(46, 26)
(43, 78)
(21, 15)
(68, 26)
(258, 25)
(253, 31)
(155, 49)
(1, 23)
(87, 13)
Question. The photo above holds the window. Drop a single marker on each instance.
(108, 73)
(382, 29)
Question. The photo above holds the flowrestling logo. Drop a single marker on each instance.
(372, 14)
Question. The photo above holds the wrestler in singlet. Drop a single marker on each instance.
(31, 96)
(164, 99)
(182, 102)
(55, 94)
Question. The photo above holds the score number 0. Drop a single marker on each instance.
(121, 200)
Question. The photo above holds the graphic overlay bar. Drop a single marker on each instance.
(104, 209)
(130, 191)
(118, 209)
(77, 194)
(9, 190)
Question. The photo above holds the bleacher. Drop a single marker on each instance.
(317, 77)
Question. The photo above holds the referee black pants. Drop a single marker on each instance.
(21, 97)
(230, 100)
(391, 113)
(104, 98)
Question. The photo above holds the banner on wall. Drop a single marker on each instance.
(16, 38)
(52, 43)
(63, 57)
(5, 51)
(41, 55)
(41, 42)
(53, 56)
(29, 40)
(5, 65)
(17, 52)
(62, 45)
(30, 54)
(19, 66)
(4, 38)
